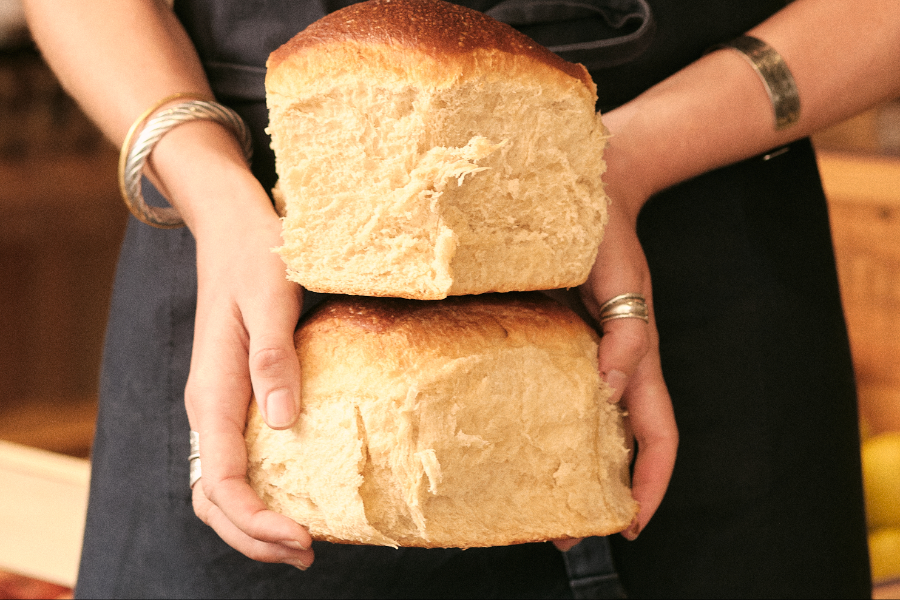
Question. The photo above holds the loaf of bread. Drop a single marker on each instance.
(426, 150)
(473, 421)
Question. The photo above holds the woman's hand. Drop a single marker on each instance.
(712, 113)
(246, 314)
(118, 57)
(629, 362)
(629, 348)
(243, 339)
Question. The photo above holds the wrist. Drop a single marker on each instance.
(201, 170)
(627, 181)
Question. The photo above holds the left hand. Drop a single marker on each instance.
(629, 352)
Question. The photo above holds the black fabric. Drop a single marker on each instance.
(235, 38)
(766, 497)
(765, 500)
(597, 33)
(591, 571)
(142, 537)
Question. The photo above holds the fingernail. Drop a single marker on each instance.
(568, 544)
(299, 565)
(632, 532)
(616, 380)
(294, 544)
(280, 408)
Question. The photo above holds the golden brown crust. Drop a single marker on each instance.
(433, 27)
(484, 316)
(499, 541)
(390, 382)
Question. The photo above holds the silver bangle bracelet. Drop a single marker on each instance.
(134, 158)
(775, 75)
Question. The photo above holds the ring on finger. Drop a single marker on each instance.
(194, 458)
(624, 306)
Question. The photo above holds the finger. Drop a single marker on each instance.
(624, 345)
(223, 455)
(620, 269)
(652, 421)
(566, 544)
(270, 319)
(275, 375)
(289, 552)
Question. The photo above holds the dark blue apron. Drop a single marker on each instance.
(762, 384)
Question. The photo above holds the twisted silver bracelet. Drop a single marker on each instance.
(134, 158)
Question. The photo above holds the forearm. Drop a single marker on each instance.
(117, 58)
(716, 111)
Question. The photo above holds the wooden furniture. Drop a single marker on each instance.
(61, 223)
(43, 502)
(864, 202)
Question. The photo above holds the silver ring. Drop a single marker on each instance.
(624, 306)
(194, 457)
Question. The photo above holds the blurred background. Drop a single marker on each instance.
(62, 220)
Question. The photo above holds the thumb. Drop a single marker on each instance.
(275, 375)
(624, 345)
(274, 366)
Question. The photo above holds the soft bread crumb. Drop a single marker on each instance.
(410, 173)
(475, 421)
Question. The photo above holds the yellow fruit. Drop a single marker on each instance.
(884, 549)
(881, 474)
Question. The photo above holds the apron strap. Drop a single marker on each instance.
(591, 570)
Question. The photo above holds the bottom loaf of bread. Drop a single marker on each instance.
(471, 421)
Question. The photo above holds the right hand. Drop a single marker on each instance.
(243, 344)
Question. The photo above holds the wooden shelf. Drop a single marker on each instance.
(864, 202)
(43, 503)
(63, 223)
(63, 424)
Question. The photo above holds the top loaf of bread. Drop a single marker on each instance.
(406, 31)
(424, 149)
